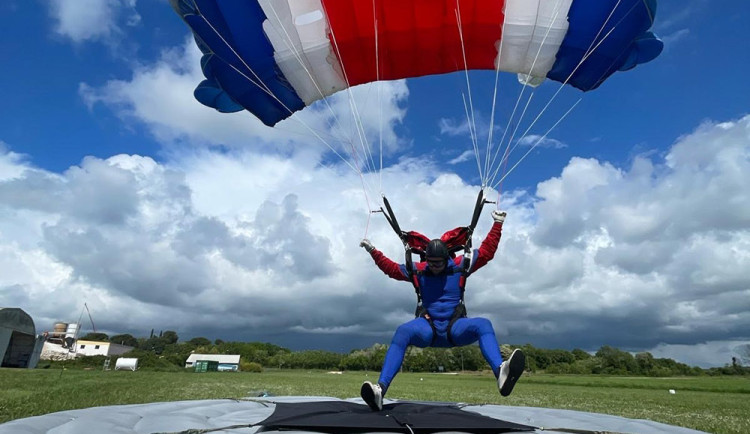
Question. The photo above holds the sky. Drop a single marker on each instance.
(628, 225)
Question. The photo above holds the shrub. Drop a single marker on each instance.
(250, 367)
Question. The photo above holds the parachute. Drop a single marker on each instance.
(275, 57)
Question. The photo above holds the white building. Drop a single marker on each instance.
(227, 362)
(100, 348)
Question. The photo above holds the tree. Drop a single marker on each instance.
(581, 355)
(743, 351)
(95, 337)
(124, 339)
(199, 342)
(170, 337)
(615, 361)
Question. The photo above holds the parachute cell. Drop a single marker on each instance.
(274, 57)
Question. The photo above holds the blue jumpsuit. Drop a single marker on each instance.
(441, 294)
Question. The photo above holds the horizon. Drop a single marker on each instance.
(628, 223)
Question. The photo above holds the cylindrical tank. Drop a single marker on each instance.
(71, 331)
(60, 327)
(131, 364)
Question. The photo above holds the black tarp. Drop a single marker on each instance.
(343, 416)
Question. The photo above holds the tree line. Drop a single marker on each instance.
(165, 351)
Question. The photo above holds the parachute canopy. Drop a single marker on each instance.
(274, 57)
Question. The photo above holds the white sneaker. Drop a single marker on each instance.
(372, 394)
(510, 372)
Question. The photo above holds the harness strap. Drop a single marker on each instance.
(459, 312)
(421, 312)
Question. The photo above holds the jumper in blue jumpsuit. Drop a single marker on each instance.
(440, 296)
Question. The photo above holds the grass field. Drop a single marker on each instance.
(712, 404)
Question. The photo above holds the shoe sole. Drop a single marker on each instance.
(368, 396)
(516, 365)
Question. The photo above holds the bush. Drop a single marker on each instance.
(250, 367)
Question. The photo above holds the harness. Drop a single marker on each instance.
(456, 240)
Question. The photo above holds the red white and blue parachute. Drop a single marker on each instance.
(275, 57)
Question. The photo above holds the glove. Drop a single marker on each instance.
(498, 216)
(367, 245)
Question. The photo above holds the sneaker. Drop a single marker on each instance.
(372, 394)
(510, 372)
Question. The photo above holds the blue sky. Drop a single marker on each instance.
(122, 191)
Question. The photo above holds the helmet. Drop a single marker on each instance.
(436, 249)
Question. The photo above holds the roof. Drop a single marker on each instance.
(236, 415)
(86, 342)
(221, 358)
(16, 319)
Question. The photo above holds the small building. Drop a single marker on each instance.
(100, 348)
(20, 347)
(226, 362)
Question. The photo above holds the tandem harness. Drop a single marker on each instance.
(455, 240)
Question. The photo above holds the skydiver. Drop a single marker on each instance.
(442, 320)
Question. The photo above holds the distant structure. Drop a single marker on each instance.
(62, 343)
(227, 362)
(130, 364)
(100, 348)
(20, 347)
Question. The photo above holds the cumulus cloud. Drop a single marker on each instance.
(93, 20)
(11, 163)
(160, 96)
(251, 245)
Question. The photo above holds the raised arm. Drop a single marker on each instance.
(487, 249)
(390, 268)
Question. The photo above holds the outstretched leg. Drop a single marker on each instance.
(466, 331)
(416, 332)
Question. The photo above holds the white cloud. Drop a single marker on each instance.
(671, 39)
(647, 257)
(92, 20)
(541, 142)
(12, 165)
(161, 97)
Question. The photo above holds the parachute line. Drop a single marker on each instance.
(354, 110)
(471, 121)
(538, 142)
(585, 57)
(290, 45)
(508, 150)
(293, 115)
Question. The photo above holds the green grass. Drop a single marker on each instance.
(712, 404)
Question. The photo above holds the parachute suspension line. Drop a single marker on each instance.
(648, 11)
(262, 86)
(472, 133)
(508, 149)
(538, 142)
(487, 164)
(352, 103)
(515, 108)
(471, 120)
(504, 161)
(592, 48)
(357, 123)
(290, 45)
(380, 97)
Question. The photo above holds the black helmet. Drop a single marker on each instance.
(436, 249)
